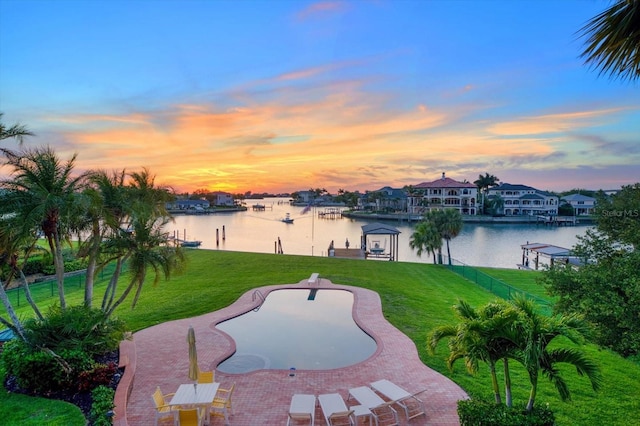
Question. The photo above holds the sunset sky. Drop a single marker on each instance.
(280, 96)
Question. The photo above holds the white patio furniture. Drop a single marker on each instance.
(302, 408)
(383, 412)
(335, 411)
(410, 403)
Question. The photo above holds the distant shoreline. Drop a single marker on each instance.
(405, 217)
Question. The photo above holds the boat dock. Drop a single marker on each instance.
(330, 213)
(531, 253)
(557, 220)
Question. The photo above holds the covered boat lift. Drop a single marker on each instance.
(549, 251)
(371, 246)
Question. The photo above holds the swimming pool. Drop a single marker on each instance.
(306, 329)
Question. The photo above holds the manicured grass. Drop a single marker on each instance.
(415, 298)
(523, 280)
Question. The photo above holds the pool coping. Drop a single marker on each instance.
(157, 356)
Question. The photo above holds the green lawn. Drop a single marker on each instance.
(415, 298)
(523, 280)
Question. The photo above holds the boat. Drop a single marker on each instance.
(190, 243)
(287, 219)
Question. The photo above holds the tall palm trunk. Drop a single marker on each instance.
(494, 382)
(58, 260)
(109, 293)
(507, 384)
(448, 251)
(27, 294)
(94, 250)
(12, 313)
(533, 378)
(122, 297)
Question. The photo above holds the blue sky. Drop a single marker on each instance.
(288, 95)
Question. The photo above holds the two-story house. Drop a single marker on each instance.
(523, 200)
(441, 194)
(582, 204)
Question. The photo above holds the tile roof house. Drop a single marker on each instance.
(523, 200)
(444, 193)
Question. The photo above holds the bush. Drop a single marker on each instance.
(77, 327)
(474, 412)
(99, 375)
(102, 407)
(40, 371)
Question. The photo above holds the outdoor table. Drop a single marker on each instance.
(195, 394)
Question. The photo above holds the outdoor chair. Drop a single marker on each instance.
(335, 411)
(410, 403)
(302, 408)
(221, 405)
(162, 408)
(382, 410)
(206, 376)
(190, 417)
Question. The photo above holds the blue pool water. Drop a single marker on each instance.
(297, 328)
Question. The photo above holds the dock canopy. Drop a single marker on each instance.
(547, 250)
(371, 235)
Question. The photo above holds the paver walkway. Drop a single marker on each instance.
(262, 397)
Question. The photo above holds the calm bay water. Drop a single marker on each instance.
(258, 231)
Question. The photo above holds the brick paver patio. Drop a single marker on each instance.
(262, 397)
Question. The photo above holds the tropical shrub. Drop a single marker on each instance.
(99, 375)
(102, 407)
(42, 371)
(77, 327)
(473, 412)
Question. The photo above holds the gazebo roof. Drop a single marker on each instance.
(379, 229)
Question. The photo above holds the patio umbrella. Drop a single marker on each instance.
(193, 355)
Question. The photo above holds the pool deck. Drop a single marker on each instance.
(158, 356)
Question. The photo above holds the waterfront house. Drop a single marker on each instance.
(441, 194)
(523, 200)
(581, 204)
(222, 199)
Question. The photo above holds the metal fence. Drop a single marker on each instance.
(494, 285)
(48, 287)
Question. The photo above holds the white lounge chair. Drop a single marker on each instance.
(383, 412)
(410, 403)
(302, 408)
(335, 411)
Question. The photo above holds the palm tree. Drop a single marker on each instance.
(144, 244)
(104, 215)
(613, 40)
(426, 238)
(484, 183)
(42, 194)
(449, 223)
(481, 336)
(16, 131)
(535, 333)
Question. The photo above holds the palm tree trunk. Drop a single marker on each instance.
(59, 266)
(110, 291)
(448, 251)
(12, 313)
(27, 294)
(507, 384)
(122, 297)
(91, 264)
(138, 290)
(534, 389)
(494, 383)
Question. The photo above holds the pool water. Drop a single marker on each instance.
(297, 328)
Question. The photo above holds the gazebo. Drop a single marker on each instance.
(372, 245)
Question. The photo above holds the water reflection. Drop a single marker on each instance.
(289, 330)
(253, 231)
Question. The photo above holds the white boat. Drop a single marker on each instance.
(287, 219)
